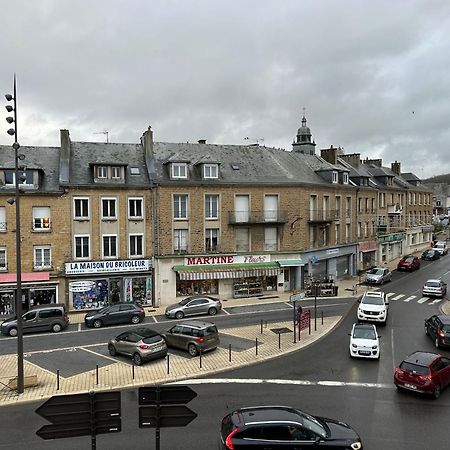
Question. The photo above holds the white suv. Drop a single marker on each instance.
(373, 307)
(441, 247)
(364, 341)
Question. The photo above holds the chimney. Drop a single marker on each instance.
(396, 167)
(375, 162)
(329, 154)
(202, 141)
(147, 143)
(353, 159)
(64, 158)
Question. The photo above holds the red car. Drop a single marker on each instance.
(409, 262)
(423, 372)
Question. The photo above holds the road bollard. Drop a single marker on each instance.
(322, 317)
(261, 326)
(200, 358)
(229, 352)
(256, 347)
(96, 374)
(279, 340)
(132, 368)
(168, 364)
(57, 380)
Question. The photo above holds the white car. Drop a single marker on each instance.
(434, 288)
(364, 341)
(373, 307)
(441, 247)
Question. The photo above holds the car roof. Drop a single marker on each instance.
(197, 324)
(364, 325)
(49, 305)
(266, 413)
(374, 293)
(144, 332)
(444, 318)
(421, 358)
(434, 280)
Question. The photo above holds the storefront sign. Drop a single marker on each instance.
(88, 267)
(225, 259)
(333, 251)
(81, 286)
(391, 238)
(369, 246)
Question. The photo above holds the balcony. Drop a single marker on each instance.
(395, 209)
(274, 217)
(322, 216)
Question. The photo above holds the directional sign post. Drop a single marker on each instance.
(81, 415)
(163, 406)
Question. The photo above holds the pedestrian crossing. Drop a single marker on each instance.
(393, 296)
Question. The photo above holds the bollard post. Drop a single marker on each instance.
(168, 364)
(96, 374)
(57, 380)
(261, 326)
(279, 340)
(200, 358)
(229, 352)
(256, 347)
(322, 317)
(132, 368)
(309, 324)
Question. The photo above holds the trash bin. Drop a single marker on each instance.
(335, 290)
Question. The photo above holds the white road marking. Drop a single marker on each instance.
(423, 300)
(289, 304)
(154, 319)
(437, 300)
(98, 354)
(79, 327)
(390, 294)
(66, 349)
(226, 312)
(411, 297)
(284, 382)
(398, 297)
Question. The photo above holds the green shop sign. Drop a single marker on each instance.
(391, 238)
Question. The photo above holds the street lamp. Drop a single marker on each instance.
(16, 146)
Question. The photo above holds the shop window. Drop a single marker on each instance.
(42, 257)
(136, 245)
(109, 246)
(109, 208)
(88, 294)
(180, 206)
(41, 218)
(42, 296)
(211, 239)
(6, 303)
(81, 246)
(211, 206)
(180, 241)
(138, 290)
(135, 210)
(3, 259)
(196, 287)
(81, 208)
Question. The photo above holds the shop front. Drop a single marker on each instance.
(93, 284)
(391, 246)
(367, 255)
(37, 289)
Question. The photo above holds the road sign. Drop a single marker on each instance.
(165, 416)
(165, 395)
(297, 297)
(81, 415)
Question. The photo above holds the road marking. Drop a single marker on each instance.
(423, 300)
(66, 349)
(284, 382)
(289, 304)
(79, 327)
(390, 295)
(437, 300)
(154, 319)
(99, 354)
(398, 297)
(412, 297)
(226, 312)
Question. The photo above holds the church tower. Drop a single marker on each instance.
(303, 143)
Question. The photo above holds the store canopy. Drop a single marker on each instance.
(26, 276)
(221, 271)
(291, 262)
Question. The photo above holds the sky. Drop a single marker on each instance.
(371, 76)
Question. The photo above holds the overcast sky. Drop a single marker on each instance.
(372, 75)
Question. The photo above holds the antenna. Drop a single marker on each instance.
(106, 133)
(256, 140)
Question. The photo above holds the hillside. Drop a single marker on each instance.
(445, 178)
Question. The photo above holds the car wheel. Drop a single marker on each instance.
(135, 319)
(12, 332)
(212, 311)
(137, 359)
(112, 350)
(97, 323)
(426, 330)
(436, 342)
(192, 350)
(179, 315)
(437, 391)
(56, 328)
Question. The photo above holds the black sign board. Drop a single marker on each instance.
(166, 395)
(165, 416)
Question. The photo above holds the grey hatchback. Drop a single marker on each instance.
(197, 304)
(193, 336)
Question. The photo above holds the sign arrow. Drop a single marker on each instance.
(165, 395)
(165, 416)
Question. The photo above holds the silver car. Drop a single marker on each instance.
(434, 288)
(195, 305)
(378, 275)
(141, 344)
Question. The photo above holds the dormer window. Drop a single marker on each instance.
(179, 170)
(102, 172)
(115, 172)
(25, 178)
(210, 171)
(345, 177)
(334, 176)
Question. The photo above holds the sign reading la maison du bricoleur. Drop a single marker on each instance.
(125, 265)
(225, 259)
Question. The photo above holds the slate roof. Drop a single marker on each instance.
(45, 159)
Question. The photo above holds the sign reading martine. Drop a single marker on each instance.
(225, 259)
(126, 265)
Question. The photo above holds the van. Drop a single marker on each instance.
(51, 317)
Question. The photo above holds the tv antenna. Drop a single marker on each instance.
(106, 133)
(256, 140)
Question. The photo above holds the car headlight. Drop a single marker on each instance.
(356, 445)
(374, 347)
(354, 345)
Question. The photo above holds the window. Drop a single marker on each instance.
(110, 246)
(136, 245)
(42, 257)
(10, 177)
(180, 206)
(3, 259)
(210, 171)
(81, 246)
(345, 177)
(180, 241)
(179, 170)
(47, 313)
(108, 208)
(41, 218)
(211, 239)
(334, 176)
(81, 208)
(116, 172)
(102, 172)
(135, 208)
(242, 240)
(2, 218)
(211, 206)
(270, 239)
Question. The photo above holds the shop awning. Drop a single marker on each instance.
(222, 271)
(26, 276)
(291, 262)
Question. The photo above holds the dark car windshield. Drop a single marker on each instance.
(376, 271)
(185, 301)
(408, 260)
(369, 300)
(432, 284)
(414, 368)
(364, 333)
(313, 424)
(446, 328)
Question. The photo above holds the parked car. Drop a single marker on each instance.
(441, 247)
(284, 427)
(193, 336)
(115, 314)
(364, 341)
(431, 254)
(434, 288)
(378, 275)
(141, 344)
(195, 305)
(409, 262)
(438, 328)
(373, 307)
(51, 317)
(423, 372)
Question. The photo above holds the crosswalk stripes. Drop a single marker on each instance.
(436, 301)
(423, 300)
(411, 297)
(393, 296)
(398, 297)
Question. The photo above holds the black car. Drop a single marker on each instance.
(438, 328)
(431, 255)
(284, 427)
(115, 314)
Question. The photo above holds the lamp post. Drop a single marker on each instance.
(16, 146)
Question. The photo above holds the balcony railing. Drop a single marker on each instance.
(321, 215)
(257, 217)
(395, 208)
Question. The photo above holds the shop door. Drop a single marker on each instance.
(342, 266)
(287, 283)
